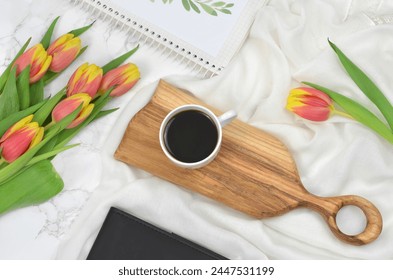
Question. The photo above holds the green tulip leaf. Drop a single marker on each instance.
(48, 146)
(49, 154)
(105, 113)
(357, 111)
(37, 92)
(368, 87)
(49, 77)
(13, 168)
(15, 117)
(36, 184)
(44, 112)
(9, 100)
(80, 31)
(23, 88)
(119, 60)
(48, 34)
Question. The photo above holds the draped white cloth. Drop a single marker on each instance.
(287, 44)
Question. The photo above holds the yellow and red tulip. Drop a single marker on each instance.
(122, 79)
(64, 50)
(38, 59)
(86, 79)
(69, 105)
(309, 103)
(19, 138)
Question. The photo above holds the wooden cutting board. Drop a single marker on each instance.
(253, 173)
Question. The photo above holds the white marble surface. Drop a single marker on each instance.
(287, 44)
(34, 232)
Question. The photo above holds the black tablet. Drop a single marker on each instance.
(126, 237)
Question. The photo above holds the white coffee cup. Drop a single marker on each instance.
(219, 123)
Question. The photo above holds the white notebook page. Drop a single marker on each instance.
(203, 31)
(202, 35)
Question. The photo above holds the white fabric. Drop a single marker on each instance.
(287, 44)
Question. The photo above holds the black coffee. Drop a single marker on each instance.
(191, 136)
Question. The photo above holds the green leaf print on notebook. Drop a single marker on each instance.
(208, 6)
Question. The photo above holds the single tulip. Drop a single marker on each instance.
(122, 79)
(310, 104)
(69, 105)
(39, 62)
(86, 79)
(19, 138)
(64, 50)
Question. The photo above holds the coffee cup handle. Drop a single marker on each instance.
(227, 117)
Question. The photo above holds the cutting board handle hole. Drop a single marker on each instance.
(351, 220)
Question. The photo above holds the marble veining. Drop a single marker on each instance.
(80, 167)
(59, 215)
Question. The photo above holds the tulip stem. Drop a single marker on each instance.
(342, 114)
(49, 125)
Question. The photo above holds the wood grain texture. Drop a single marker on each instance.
(253, 173)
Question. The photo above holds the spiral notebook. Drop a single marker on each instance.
(204, 35)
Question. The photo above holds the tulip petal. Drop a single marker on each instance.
(37, 138)
(82, 98)
(59, 44)
(122, 89)
(18, 125)
(12, 152)
(4, 76)
(317, 114)
(92, 87)
(69, 105)
(25, 59)
(82, 116)
(63, 109)
(122, 79)
(86, 79)
(44, 68)
(304, 91)
(314, 101)
(310, 103)
(63, 59)
(75, 77)
(37, 58)
(64, 51)
(78, 72)
(18, 143)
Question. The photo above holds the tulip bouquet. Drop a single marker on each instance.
(33, 129)
(317, 102)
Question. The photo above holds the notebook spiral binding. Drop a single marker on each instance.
(150, 38)
(380, 19)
